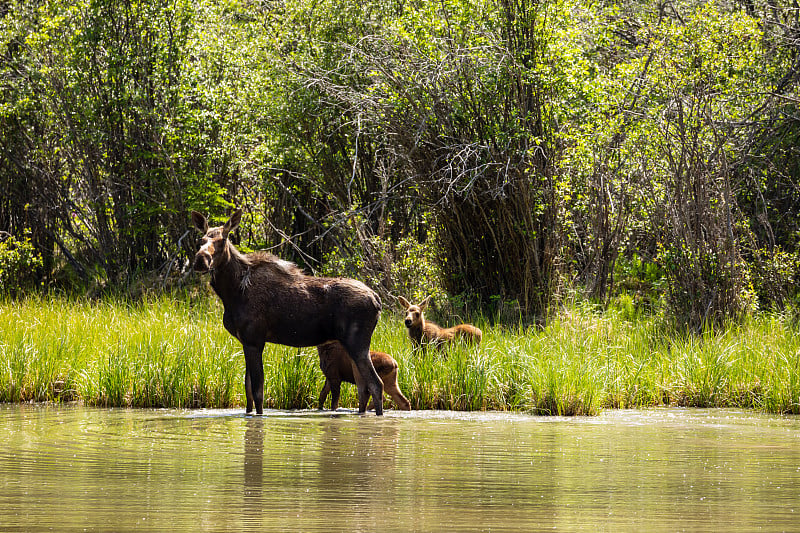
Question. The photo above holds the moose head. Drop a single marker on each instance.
(213, 250)
(414, 316)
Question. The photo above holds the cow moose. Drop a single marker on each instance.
(268, 299)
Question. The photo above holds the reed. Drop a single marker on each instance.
(174, 352)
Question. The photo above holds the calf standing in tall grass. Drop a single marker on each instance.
(338, 367)
(424, 332)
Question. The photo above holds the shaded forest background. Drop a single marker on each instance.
(507, 154)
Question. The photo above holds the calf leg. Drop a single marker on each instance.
(391, 388)
(323, 395)
(335, 389)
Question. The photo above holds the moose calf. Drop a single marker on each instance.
(337, 367)
(424, 332)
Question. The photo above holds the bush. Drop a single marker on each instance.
(19, 263)
(775, 274)
(408, 268)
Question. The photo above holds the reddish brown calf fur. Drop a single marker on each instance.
(338, 367)
(424, 332)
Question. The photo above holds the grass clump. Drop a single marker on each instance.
(166, 352)
(155, 353)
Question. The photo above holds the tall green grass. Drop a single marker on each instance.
(166, 352)
(154, 353)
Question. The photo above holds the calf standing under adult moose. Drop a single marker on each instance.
(338, 367)
(424, 332)
(267, 299)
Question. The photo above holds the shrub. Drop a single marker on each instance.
(19, 262)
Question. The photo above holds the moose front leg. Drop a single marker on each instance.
(248, 390)
(254, 378)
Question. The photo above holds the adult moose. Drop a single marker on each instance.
(267, 299)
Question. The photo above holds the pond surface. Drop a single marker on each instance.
(75, 468)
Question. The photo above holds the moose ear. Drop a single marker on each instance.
(403, 302)
(199, 221)
(232, 222)
(424, 303)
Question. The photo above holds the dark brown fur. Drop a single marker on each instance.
(267, 299)
(424, 332)
(338, 367)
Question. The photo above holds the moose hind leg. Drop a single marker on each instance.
(356, 340)
(371, 384)
(363, 390)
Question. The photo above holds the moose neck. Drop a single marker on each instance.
(227, 276)
(416, 331)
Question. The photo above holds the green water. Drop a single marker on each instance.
(75, 468)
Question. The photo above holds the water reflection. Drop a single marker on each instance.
(75, 468)
(253, 461)
(357, 470)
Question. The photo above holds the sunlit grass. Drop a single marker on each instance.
(153, 353)
(174, 352)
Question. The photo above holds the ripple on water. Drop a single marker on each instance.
(117, 469)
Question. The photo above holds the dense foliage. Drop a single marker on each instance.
(508, 152)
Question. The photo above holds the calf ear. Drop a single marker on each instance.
(403, 302)
(424, 303)
(199, 221)
(232, 222)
